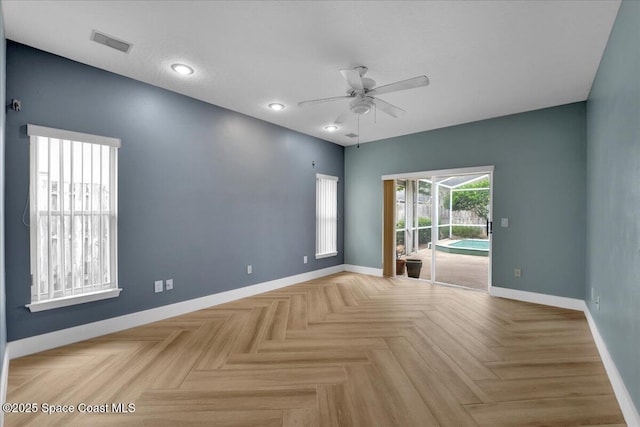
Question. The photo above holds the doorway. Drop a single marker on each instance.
(443, 224)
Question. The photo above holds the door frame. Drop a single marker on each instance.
(430, 174)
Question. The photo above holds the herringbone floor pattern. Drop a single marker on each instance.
(345, 350)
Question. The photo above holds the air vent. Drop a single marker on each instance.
(110, 42)
(351, 135)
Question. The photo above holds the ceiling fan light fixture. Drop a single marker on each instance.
(276, 106)
(331, 128)
(183, 69)
(361, 106)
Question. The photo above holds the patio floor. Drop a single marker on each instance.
(465, 270)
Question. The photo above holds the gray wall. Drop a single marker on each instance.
(3, 316)
(203, 191)
(539, 184)
(613, 195)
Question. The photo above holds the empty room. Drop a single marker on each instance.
(320, 213)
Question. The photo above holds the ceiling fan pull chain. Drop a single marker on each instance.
(358, 146)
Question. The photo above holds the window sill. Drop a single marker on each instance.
(73, 300)
(327, 255)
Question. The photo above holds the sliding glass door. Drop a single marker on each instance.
(443, 225)
(462, 245)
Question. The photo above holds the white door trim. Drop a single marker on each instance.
(441, 172)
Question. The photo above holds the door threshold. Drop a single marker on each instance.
(449, 285)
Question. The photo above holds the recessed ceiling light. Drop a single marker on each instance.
(276, 106)
(331, 128)
(182, 69)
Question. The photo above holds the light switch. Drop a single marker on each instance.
(158, 286)
(504, 222)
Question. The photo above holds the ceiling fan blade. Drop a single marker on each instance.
(341, 118)
(390, 109)
(352, 76)
(401, 85)
(322, 100)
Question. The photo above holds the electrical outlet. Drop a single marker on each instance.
(305, 259)
(249, 269)
(597, 302)
(169, 284)
(517, 272)
(158, 286)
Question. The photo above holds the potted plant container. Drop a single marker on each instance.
(413, 268)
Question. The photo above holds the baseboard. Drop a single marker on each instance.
(363, 270)
(536, 298)
(627, 407)
(3, 382)
(62, 337)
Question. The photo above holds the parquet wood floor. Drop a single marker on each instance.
(347, 349)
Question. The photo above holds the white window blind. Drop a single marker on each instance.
(73, 217)
(326, 216)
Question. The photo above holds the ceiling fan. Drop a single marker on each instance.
(363, 93)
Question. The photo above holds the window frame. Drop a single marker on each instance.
(320, 224)
(34, 132)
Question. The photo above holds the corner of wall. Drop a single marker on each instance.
(3, 320)
(625, 401)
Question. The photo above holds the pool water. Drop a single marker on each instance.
(471, 244)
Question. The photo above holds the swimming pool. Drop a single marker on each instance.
(471, 244)
(478, 247)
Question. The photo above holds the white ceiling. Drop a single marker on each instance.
(484, 58)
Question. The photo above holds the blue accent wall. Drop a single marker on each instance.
(539, 184)
(3, 316)
(613, 195)
(203, 191)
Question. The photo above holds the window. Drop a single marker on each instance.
(73, 217)
(326, 216)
